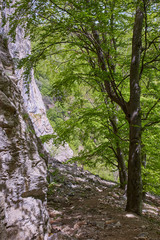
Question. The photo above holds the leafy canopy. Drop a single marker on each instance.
(88, 42)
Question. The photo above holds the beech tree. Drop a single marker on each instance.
(117, 43)
(93, 124)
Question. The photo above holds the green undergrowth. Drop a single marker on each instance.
(102, 172)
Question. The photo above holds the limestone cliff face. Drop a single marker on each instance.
(33, 101)
(23, 170)
(23, 184)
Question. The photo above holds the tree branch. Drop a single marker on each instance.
(151, 109)
(153, 60)
(150, 124)
(146, 31)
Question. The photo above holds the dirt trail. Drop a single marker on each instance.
(83, 206)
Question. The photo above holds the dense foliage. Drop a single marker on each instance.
(111, 50)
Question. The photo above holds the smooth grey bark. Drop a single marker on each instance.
(134, 188)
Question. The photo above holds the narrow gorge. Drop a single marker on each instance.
(41, 197)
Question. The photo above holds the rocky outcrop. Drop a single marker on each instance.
(23, 185)
(33, 100)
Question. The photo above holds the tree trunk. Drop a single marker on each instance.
(134, 188)
(121, 168)
(144, 162)
(119, 155)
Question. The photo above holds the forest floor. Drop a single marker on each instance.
(82, 206)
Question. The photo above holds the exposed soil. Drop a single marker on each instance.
(83, 206)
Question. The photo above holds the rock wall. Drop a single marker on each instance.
(23, 183)
(33, 101)
(23, 170)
